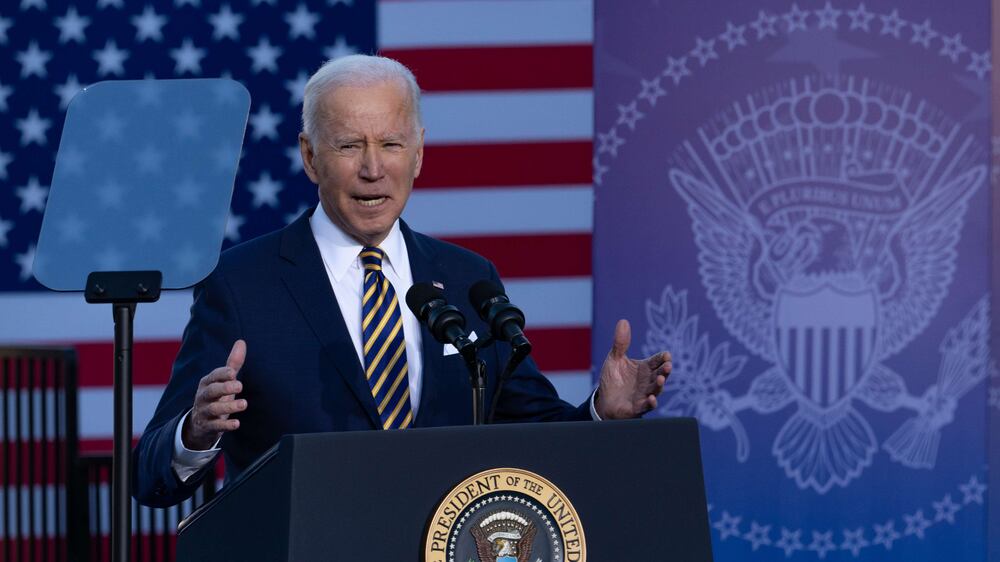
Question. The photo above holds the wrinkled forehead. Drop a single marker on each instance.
(384, 107)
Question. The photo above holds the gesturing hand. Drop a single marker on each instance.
(629, 387)
(214, 402)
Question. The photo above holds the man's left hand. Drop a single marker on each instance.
(629, 387)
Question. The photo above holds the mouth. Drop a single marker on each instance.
(371, 200)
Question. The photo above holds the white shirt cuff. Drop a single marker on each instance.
(186, 462)
(593, 406)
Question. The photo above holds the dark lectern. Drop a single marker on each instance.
(636, 487)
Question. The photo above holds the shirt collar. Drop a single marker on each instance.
(340, 251)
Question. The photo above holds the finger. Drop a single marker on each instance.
(237, 355)
(623, 337)
(224, 409)
(220, 425)
(219, 374)
(650, 403)
(218, 390)
(658, 359)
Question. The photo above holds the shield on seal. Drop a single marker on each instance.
(826, 339)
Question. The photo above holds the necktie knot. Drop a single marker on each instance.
(371, 258)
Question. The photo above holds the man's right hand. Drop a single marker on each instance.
(214, 402)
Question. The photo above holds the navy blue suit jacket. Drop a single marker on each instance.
(302, 372)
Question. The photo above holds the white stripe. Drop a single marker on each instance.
(26, 526)
(97, 411)
(572, 386)
(499, 211)
(66, 317)
(21, 402)
(478, 117)
(441, 23)
(552, 303)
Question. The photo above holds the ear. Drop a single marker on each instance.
(306, 149)
(420, 155)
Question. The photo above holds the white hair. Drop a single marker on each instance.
(354, 70)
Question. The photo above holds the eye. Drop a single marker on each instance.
(348, 146)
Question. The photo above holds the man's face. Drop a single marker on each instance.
(366, 158)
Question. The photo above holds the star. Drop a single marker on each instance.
(33, 128)
(916, 524)
(5, 227)
(946, 509)
(822, 543)
(71, 159)
(5, 24)
(67, 90)
(25, 261)
(149, 91)
(629, 115)
(149, 25)
(110, 59)
(609, 142)
(233, 224)
(149, 227)
(822, 49)
(110, 126)
(758, 536)
(923, 33)
(294, 156)
(728, 526)
(265, 191)
(297, 87)
(340, 48)
(789, 541)
(5, 160)
(149, 160)
(188, 193)
(290, 218)
(676, 69)
(795, 18)
(33, 196)
(980, 64)
(71, 228)
(973, 491)
(188, 124)
(33, 61)
(828, 17)
(886, 534)
(599, 171)
(892, 24)
(264, 55)
(5, 92)
(764, 25)
(733, 35)
(854, 541)
(110, 4)
(301, 23)
(860, 18)
(71, 26)
(651, 90)
(225, 24)
(110, 194)
(704, 50)
(952, 47)
(25, 4)
(187, 58)
(265, 124)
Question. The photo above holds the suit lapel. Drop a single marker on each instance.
(307, 280)
(425, 269)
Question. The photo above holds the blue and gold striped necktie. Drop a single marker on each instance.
(385, 350)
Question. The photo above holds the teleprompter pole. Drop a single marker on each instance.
(121, 514)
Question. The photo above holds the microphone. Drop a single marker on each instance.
(445, 321)
(506, 321)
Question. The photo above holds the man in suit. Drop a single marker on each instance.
(307, 322)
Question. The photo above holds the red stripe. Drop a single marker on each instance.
(151, 362)
(54, 548)
(153, 547)
(105, 446)
(499, 68)
(22, 464)
(542, 255)
(560, 349)
(513, 164)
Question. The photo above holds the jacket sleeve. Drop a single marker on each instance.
(210, 333)
(528, 395)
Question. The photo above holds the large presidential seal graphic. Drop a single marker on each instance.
(827, 210)
(505, 515)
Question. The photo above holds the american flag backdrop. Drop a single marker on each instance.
(507, 169)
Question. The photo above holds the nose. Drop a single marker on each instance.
(371, 164)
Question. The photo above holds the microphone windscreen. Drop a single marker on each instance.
(420, 294)
(482, 291)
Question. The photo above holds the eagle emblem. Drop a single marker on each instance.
(503, 536)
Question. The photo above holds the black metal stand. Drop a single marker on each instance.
(123, 290)
(478, 373)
